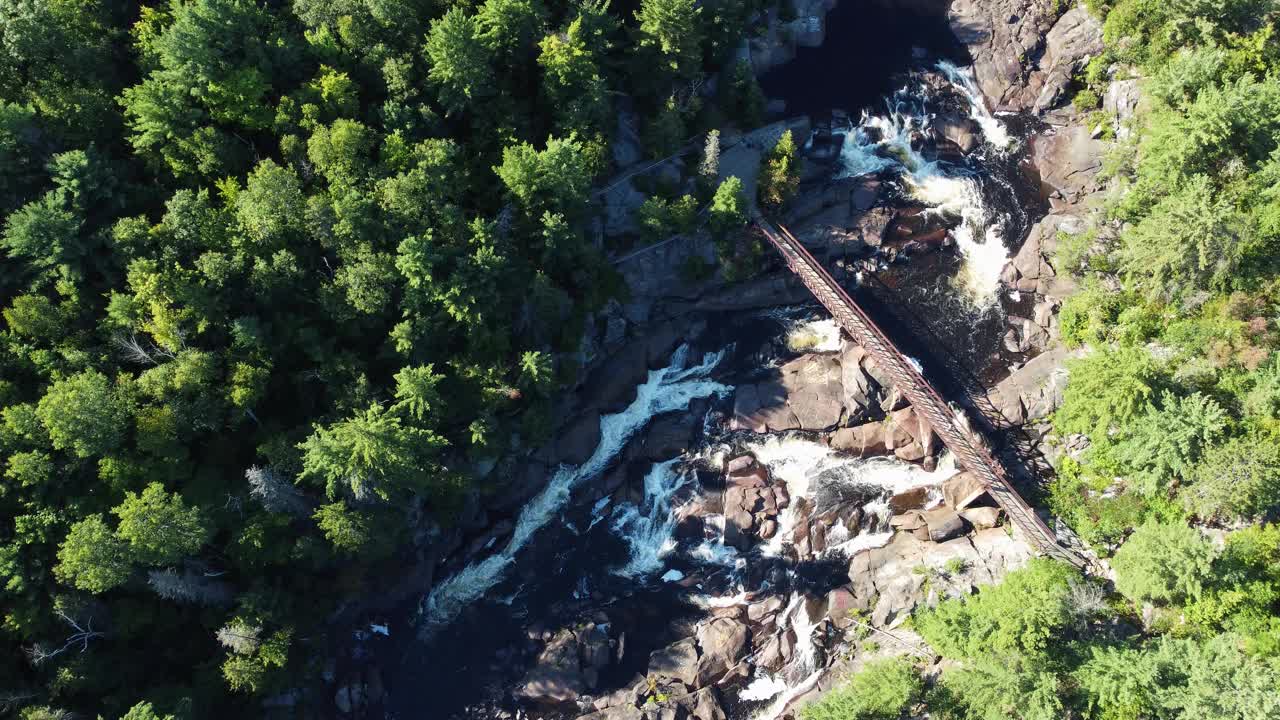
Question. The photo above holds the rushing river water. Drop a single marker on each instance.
(578, 555)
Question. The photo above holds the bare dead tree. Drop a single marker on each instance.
(84, 633)
(11, 700)
(1087, 599)
(189, 587)
(276, 493)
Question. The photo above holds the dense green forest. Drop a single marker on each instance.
(277, 276)
(1179, 398)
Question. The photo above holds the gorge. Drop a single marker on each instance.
(741, 507)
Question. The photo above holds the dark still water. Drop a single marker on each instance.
(868, 46)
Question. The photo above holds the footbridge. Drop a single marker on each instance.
(949, 423)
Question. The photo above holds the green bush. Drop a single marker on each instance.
(885, 689)
(1165, 563)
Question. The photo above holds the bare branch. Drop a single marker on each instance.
(84, 633)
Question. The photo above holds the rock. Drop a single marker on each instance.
(621, 712)
(1068, 161)
(1036, 389)
(943, 523)
(912, 499)
(768, 529)
(578, 440)
(981, 518)
(814, 390)
(907, 521)
(1026, 64)
(1121, 101)
(770, 655)
(872, 225)
(859, 388)
(908, 435)
(767, 608)
(1074, 38)
(677, 661)
(668, 436)
(524, 482)
(866, 195)
(841, 603)
(762, 408)
(611, 386)
(703, 705)
(738, 464)
(723, 643)
(620, 205)
(593, 647)
(550, 687)
(742, 159)
(753, 476)
(626, 145)
(959, 130)
(864, 440)
(961, 489)
(557, 678)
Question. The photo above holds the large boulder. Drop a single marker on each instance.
(962, 489)
(1068, 161)
(959, 130)
(723, 642)
(677, 661)
(864, 440)
(812, 392)
(667, 437)
(1121, 101)
(981, 518)
(557, 678)
(943, 523)
(1036, 389)
(909, 436)
(815, 392)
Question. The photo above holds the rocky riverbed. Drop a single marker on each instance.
(738, 507)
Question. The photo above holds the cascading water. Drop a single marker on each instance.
(962, 80)
(647, 528)
(665, 390)
(886, 142)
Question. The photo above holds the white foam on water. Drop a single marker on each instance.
(803, 672)
(763, 687)
(962, 79)
(815, 336)
(883, 142)
(648, 528)
(802, 463)
(671, 576)
(665, 390)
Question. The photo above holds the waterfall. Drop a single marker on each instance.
(648, 528)
(962, 80)
(665, 390)
(887, 142)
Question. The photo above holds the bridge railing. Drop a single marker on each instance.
(951, 426)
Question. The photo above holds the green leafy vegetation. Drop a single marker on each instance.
(1171, 412)
(278, 276)
(883, 690)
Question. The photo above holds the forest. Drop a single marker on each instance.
(278, 276)
(1178, 397)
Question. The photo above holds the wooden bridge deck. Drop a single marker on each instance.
(950, 424)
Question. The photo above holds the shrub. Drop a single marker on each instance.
(1163, 563)
(884, 690)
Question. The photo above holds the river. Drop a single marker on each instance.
(621, 562)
